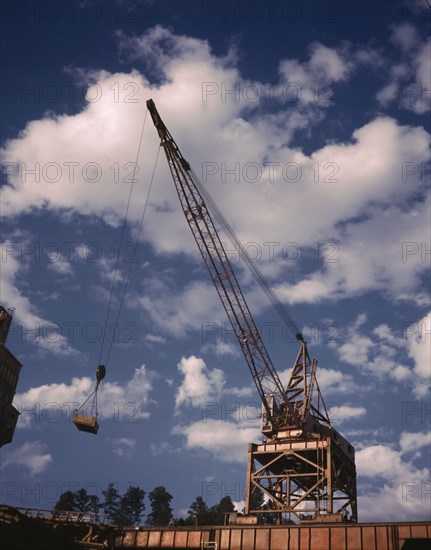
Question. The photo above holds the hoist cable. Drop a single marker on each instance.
(131, 262)
(252, 267)
(121, 240)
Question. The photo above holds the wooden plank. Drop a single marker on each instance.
(224, 543)
(338, 538)
(293, 538)
(235, 539)
(383, 538)
(217, 537)
(319, 538)
(419, 532)
(142, 539)
(354, 538)
(369, 538)
(181, 538)
(154, 539)
(167, 539)
(248, 538)
(304, 538)
(404, 532)
(262, 539)
(279, 539)
(195, 537)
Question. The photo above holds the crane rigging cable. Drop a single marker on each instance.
(121, 239)
(252, 267)
(131, 261)
(88, 423)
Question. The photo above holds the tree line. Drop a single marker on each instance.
(129, 508)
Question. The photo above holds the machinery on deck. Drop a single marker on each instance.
(303, 465)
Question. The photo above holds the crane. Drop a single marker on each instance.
(303, 465)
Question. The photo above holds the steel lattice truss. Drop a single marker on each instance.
(305, 478)
(304, 466)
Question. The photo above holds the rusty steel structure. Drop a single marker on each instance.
(303, 465)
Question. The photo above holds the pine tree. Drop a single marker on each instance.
(85, 502)
(131, 507)
(256, 499)
(111, 503)
(198, 512)
(223, 507)
(66, 502)
(161, 511)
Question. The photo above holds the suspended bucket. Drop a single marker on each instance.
(88, 423)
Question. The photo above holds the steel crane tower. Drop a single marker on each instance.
(303, 464)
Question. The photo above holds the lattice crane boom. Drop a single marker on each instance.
(279, 410)
(304, 466)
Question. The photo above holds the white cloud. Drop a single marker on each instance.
(221, 349)
(419, 350)
(346, 412)
(409, 80)
(25, 314)
(405, 36)
(200, 384)
(178, 312)
(354, 202)
(333, 381)
(154, 339)
(61, 266)
(380, 352)
(225, 441)
(123, 446)
(396, 488)
(162, 448)
(356, 351)
(414, 441)
(32, 455)
(325, 66)
(115, 400)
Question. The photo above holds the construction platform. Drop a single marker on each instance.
(342, 536)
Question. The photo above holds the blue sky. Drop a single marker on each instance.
(309, 124)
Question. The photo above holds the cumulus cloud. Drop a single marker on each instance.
(225, 441)
(419, 349)
(410, 77)
(115, 399)
(221, 348)
(178, 311)
(335, 382)
(123, 446)
(413, 441)
(31, 455)
(346, 187)
(391, 486)
(324, 67)
(345, 412)
(200, 384)
(154, 339)
(31, 323)
(384, 353)
(405, 36)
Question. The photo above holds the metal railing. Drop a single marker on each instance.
(66, 516)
